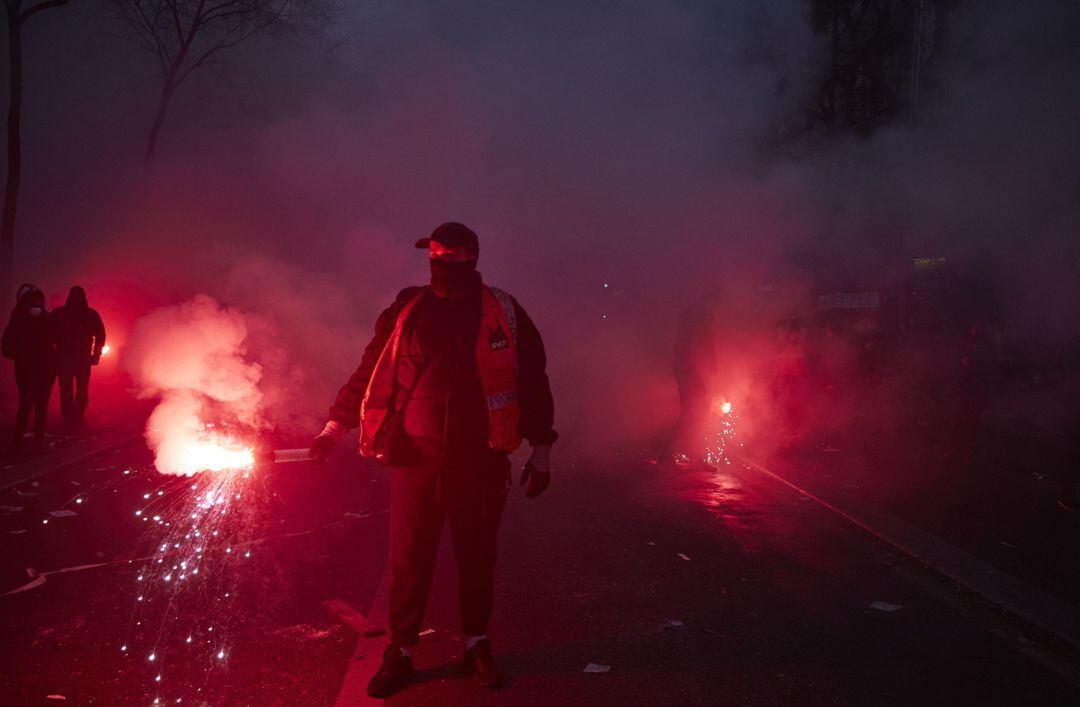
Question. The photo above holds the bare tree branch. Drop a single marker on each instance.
(44, 5)
(186, 35)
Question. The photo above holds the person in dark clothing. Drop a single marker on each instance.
(974, 379)
(29, 340)
(834, 366)
(695, 367)
(1069, 475)
(452, 381)
(789, 383)
(80, 338)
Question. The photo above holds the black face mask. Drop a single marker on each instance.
(450, 277)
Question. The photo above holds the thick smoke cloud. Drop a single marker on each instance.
(192, 356)
(617, 159)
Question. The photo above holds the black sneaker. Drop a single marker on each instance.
(481, 665)
(394, 673)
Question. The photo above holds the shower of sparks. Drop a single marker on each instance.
(190, 579)
(719, 442)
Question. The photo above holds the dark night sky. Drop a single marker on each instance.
(629, 143)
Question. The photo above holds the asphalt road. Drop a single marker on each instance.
(718, 587)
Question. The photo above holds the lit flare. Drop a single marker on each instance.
(216, 456)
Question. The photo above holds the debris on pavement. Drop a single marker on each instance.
(673, 623)
(683, 557)
(885, 606)
(11, 509)
(353, 618)
(306, 632)
(55, 697)
(17, 532)
(596, 668)
(62, 513)
(427, 632)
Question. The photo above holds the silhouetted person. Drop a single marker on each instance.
(790, 369)
(29, 340)
(974, 376)
(1069, 473)
(695, 368)
(80, 337)
(1069, 492)
(835, 368)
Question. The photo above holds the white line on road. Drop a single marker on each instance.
(1031, 604)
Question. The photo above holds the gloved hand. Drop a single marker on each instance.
(95, 360)
(321, 447)
(536, 476)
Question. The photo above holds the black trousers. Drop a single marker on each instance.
(74, 391)
(34, 382)
(471, 495)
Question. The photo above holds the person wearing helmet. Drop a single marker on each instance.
(29, 340)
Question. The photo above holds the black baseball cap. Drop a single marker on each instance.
(452, 235)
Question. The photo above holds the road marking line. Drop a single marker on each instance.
(1040, 610)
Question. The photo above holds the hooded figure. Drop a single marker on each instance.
(29, 340)
(80, 338)
(696, 365)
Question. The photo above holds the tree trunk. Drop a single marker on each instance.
(14, 145)
(159, 118)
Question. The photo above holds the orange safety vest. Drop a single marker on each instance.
(496, 364)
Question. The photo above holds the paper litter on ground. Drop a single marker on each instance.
(596, 668)
(885, 606)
